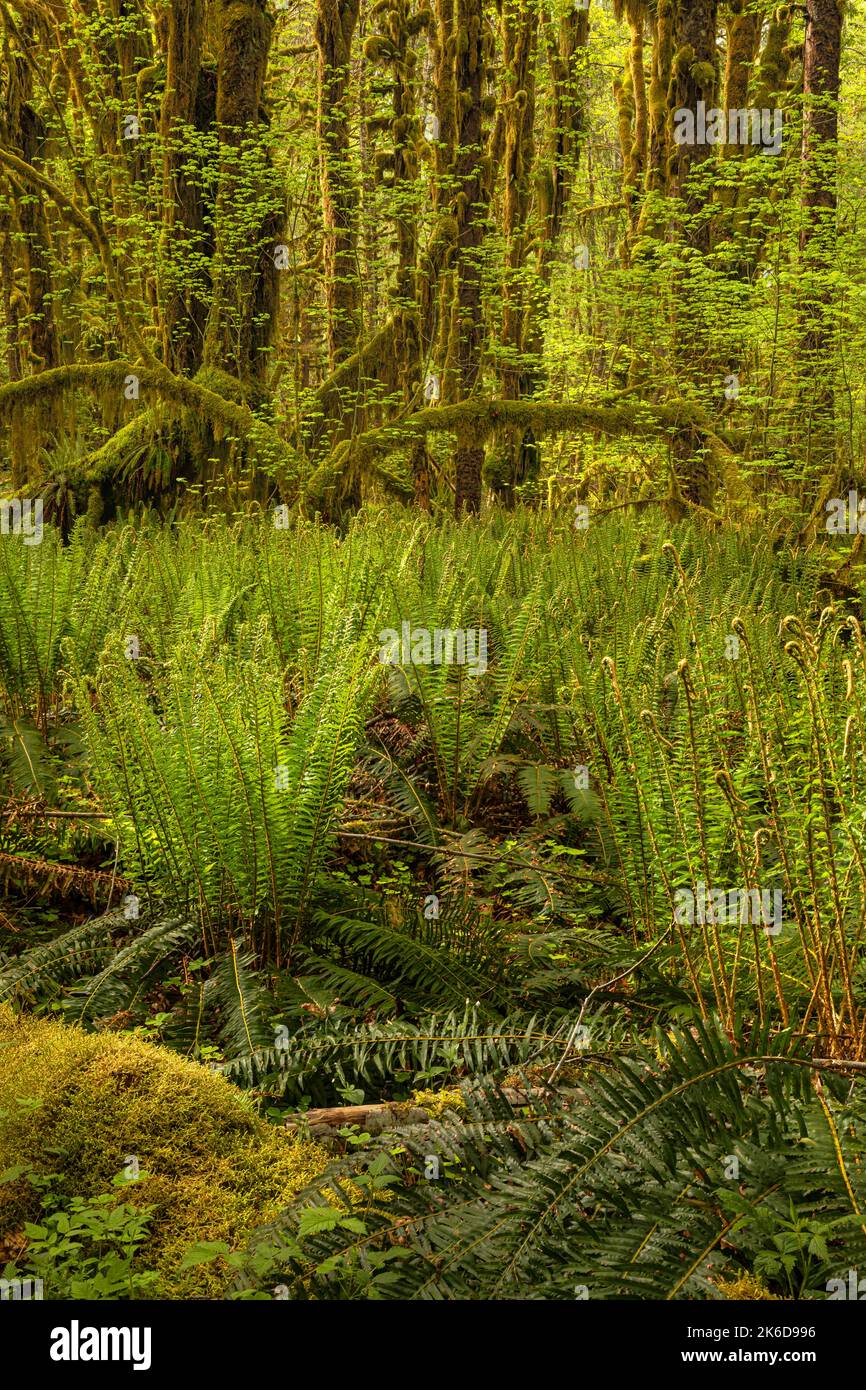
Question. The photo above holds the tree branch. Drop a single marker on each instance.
(483, 416)
(272, 452)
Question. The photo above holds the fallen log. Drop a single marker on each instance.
(92, 885)
(381, 1116)
(375, 1118)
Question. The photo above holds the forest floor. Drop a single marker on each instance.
(473, 907)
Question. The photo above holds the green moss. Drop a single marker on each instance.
(683, 59)
(437, 1102)
(498, 470)
(228, 416)
(375, 48)
(215, 1169)
(704, 74)
(230, 388)
(746, 1285)
(95, 505)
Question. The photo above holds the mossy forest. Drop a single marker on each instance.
(432, 650)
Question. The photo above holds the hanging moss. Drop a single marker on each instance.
(376, 47)
(260, 442)
(335, 480)
(683, 60)
(498, 468)
(479, 416)
(95, 506)
(703, 73)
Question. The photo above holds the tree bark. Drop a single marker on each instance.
(335, 27)
(243, 306)
(694, 79)
(183, 313)
(821, 61)
(519, 27)
(471, 210)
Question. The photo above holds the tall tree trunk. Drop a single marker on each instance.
(519, 35)
(179, 30)
(397, 26)
(753, 217)
(471, 210)
(661, 21)
(27, 250)
(694, 79)
(336, 21)
(634, 117)
(243, 306)
(564, 124)
(519, 27)
(821, 57)
(744, 36)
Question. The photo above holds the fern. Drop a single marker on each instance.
(618, 1190)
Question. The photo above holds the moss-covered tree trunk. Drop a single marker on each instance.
(244, 273)
(744, 36)
(821, 59)
(393, 44)
(471, 210)
(336, 21)
(759, 82)
(184, 107)
(519, 31)
(564, 123)
(33, 336)
(694, 81)
(661, 22)
(634, 120)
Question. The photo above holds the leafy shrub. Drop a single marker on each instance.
(83, 1247)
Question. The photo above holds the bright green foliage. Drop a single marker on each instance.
(371, 880)
(715, 746)
(550, 817)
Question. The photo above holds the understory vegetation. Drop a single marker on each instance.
(237, 833)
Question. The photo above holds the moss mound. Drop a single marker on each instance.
(78, 1104)
(747, 1285)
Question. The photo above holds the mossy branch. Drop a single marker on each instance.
(480, 417)
(270, 451)
(67, 205)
